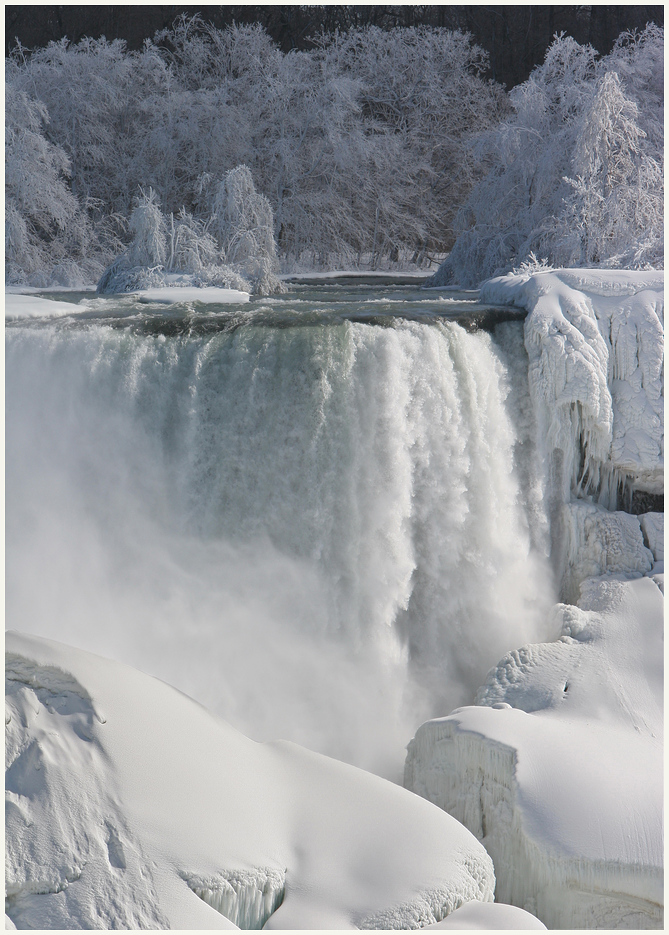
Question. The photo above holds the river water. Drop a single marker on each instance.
(319, 514)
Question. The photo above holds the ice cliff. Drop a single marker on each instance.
(130, 806)
(557, 768)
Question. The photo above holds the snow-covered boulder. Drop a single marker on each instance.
(595, 340)
(130, 806)
(558, 769)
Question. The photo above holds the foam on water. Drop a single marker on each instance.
(325, 534)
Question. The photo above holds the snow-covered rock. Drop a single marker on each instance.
(595, 340)
(558, 769)
(130, 806)
(35, 306)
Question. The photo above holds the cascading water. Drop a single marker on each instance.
(325, 532)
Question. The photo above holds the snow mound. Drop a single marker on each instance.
(33, 306)
(558, 769)
(595, 340)
(487, 916)
(130, 806)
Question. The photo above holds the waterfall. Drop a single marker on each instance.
(325, 533)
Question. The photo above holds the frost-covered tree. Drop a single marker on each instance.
(234, 247)
(613, 215)
(143, 263)
(190, 246)
(422, 97)
(359, 144)
(44, 224)
(244, 222)
(572, 159)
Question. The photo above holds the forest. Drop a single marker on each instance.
(373, 146)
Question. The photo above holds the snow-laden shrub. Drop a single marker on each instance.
(576, 173)
(142, 265)
(184, 251)
(190, 246)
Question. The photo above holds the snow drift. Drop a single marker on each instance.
(130, 806)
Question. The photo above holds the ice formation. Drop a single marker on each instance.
(558, 770)
(558, 766)
(652, 525)
(247, 898)
(595, 341)
(598, 542)
(130, 806)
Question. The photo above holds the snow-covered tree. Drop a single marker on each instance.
(359, 144)
(44, 224)
(573, 176)
(234, 248)
(613, 215)
(244, 222)
(190, 246)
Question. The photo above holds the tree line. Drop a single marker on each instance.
(515, 37)
(373, 144)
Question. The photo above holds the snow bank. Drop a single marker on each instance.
(206, 294)
(130, 806)
(33, 306)
(595, 341)
(558, 770)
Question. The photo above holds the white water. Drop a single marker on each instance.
(319, 532)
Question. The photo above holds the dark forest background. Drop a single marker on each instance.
(516, 37)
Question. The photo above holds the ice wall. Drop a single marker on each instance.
(246, 897)
(325, 532)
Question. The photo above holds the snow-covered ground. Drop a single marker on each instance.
(558, 767)
(558, 770)
(130, 806)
